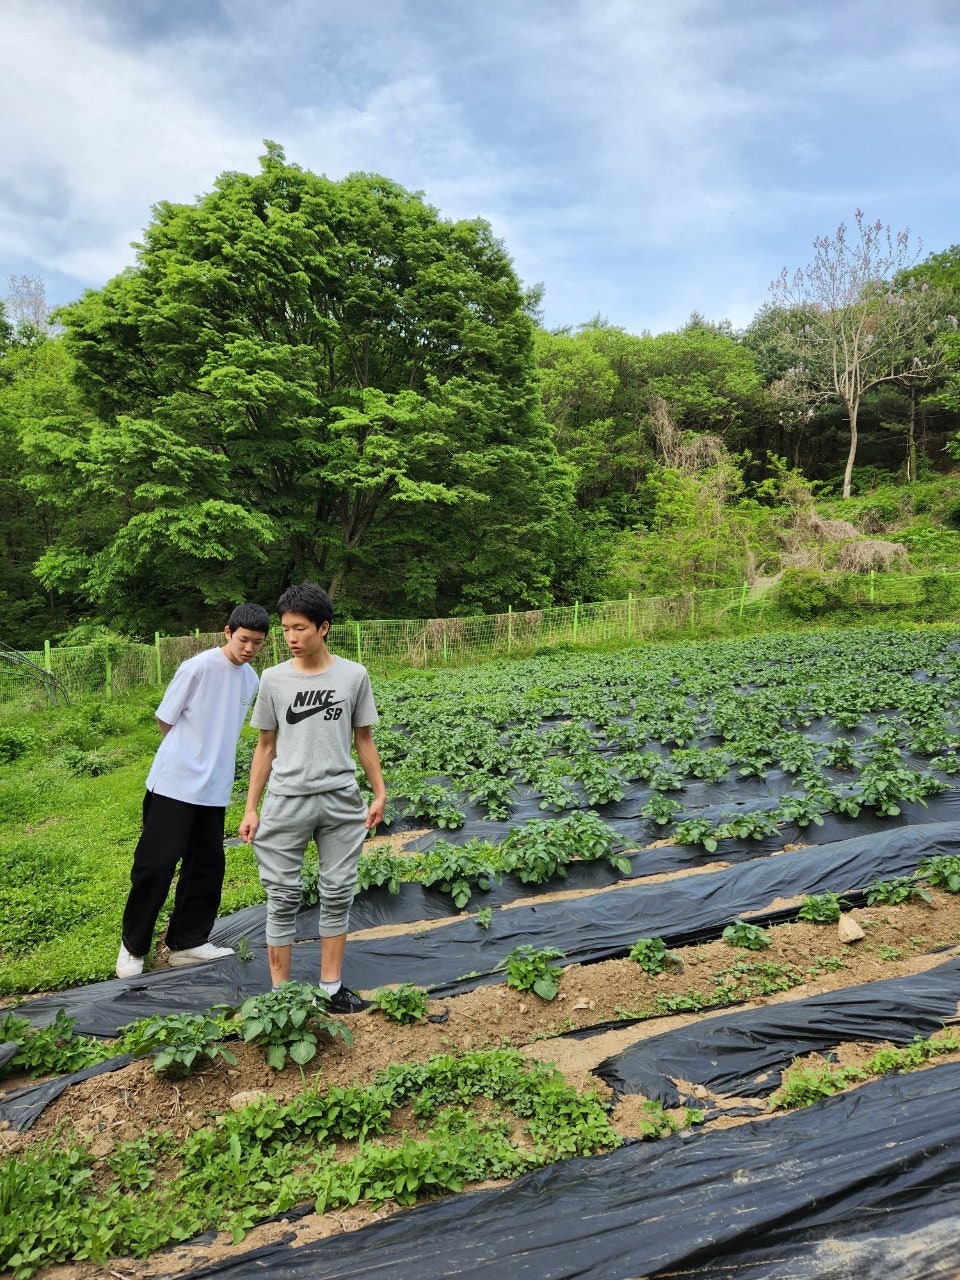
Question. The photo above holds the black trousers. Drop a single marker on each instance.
(175, 832)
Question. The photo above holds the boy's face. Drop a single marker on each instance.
(304, 638)
(242, 645)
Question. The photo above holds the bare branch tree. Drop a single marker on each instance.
(26, 303)
(856, 322)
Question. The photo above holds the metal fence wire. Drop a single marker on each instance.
(116, 666)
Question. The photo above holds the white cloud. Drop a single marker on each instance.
(94, 136)
(641, 159)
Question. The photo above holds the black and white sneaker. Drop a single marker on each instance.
(346, 1001)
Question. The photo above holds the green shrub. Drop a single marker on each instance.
(806, 594)
(16, 743)
(286, 1022)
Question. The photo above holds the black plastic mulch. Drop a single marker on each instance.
(743, 1054)
(449, 959)
(865, 1184)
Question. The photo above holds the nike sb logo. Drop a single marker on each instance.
(313, 702)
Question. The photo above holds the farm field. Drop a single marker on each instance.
(669, 841)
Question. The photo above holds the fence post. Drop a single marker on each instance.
(273, 646)
(359, 646)
(156, 645)
(509, 627)
(576, 619)
(871, 585)
(108, 675)
(629, 613)
(46, 656)
(743, 600)
(444, 633)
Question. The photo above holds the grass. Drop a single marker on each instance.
(67, 841)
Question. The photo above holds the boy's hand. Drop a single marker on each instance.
(248, 827)
(375, 813)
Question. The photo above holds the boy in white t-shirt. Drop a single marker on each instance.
(310, 712)
(188, 790)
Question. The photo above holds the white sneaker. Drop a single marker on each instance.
(128, 966)
(196, 955)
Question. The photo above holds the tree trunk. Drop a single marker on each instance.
(852, 410)
(912, 440)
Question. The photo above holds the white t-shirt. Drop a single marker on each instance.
(206, 702)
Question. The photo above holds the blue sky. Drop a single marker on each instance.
(641, 158)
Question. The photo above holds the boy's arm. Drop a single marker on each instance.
(260, 768)
(369, 759)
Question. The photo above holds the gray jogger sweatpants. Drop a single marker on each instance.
(334, 820)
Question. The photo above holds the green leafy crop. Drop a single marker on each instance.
(403, 1003)
(288, 1021)
(530, 970)
(743, 934)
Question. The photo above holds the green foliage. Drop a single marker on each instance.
(535, 853)
(807, 593)
(942, 871)
(652, 955)
(484, 917)
(654, 1122)
(180, 1042)
(893, 892)
(458, 870)
(529, 969)
(381, 870)
(86, 764)
(742, 934)
(682, 1002)
(746, 979)
(269, 1156)
(403, 1003)
(50, 1050)
(661, 809)
(436, 805)
(697, 831)
(806, 1083)
(287, 1022)
(16, 743)
(381, 351)
(822, 908)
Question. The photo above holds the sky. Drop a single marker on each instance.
(641, 159)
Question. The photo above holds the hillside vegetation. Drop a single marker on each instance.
(303, 378)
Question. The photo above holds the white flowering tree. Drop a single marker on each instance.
(853, 319)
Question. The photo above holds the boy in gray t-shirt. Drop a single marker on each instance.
(310, 711)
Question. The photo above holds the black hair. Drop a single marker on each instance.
(252, 617)
(310, 600)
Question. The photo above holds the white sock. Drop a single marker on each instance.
(331, 988)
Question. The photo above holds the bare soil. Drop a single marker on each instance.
(113, 1108)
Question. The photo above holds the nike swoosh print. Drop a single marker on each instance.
(294, 717)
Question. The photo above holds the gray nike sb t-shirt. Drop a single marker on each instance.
(314, 716)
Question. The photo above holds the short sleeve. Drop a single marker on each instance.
(264, 712)
(179, 691)
(365, 710)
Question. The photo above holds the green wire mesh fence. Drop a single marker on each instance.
(422, 643)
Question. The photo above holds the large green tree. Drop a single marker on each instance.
(37, 510)
(307, 378)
